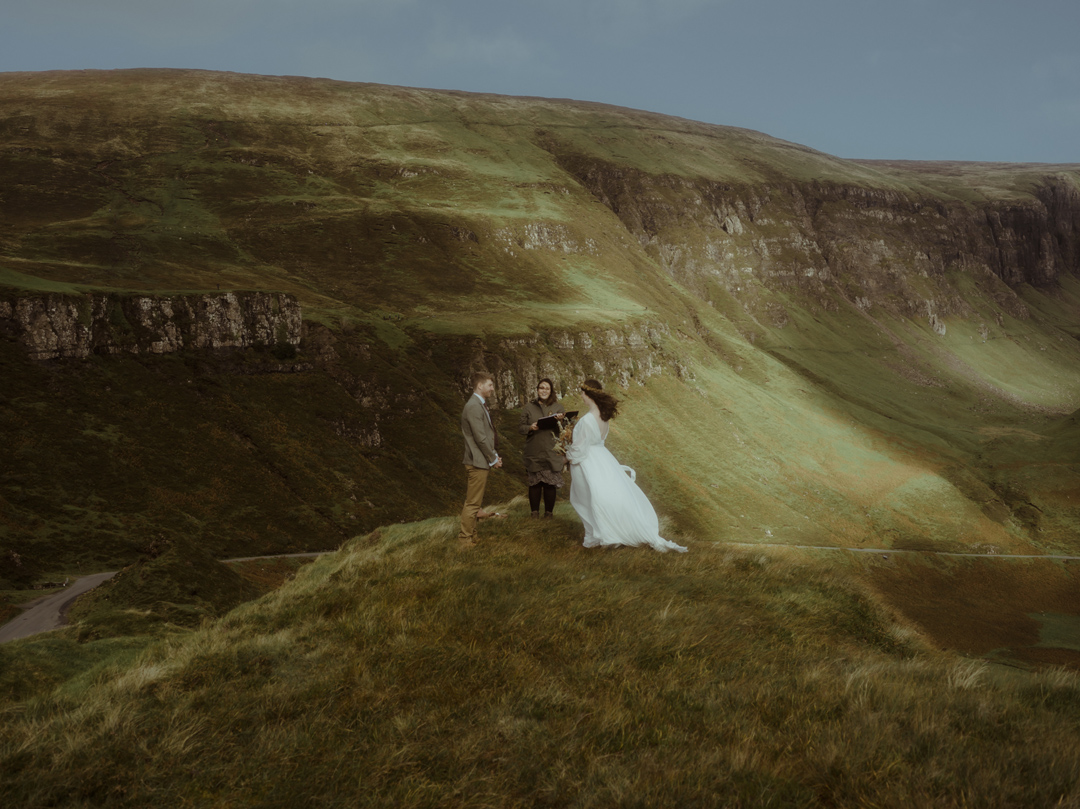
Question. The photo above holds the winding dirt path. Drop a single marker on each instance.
(47, 612)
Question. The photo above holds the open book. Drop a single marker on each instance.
(553, 424)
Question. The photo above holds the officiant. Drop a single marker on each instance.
(541, 422)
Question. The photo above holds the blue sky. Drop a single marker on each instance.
(903, 79)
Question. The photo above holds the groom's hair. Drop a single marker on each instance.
(608, 404)
(480, 376)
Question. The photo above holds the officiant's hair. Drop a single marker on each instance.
(608, 404)
(552, 398)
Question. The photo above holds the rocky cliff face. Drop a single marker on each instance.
(54, 325)
(882, 249)
(624, 356)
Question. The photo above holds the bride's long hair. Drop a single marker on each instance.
(608, 404)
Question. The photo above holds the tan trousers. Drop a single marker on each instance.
(474, 498)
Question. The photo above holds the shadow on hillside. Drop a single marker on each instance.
(1020, 612)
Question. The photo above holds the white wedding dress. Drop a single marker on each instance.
(604, 493)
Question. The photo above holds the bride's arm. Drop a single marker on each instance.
(579, 445)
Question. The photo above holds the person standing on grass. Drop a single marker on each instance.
(543, 465)
(481, 454)
(603, 492)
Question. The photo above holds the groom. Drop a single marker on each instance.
(481, 443)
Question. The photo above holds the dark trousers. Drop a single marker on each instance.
(549, 493)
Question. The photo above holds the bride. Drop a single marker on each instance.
(602, 491)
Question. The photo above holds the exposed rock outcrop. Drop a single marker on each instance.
(55, 325)
(625, 355)
(879, 248)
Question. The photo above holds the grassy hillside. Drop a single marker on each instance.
(429, 205)
(809, 352)
(533, 672)
(429, 232)
(824, 351)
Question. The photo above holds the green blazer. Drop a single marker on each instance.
(540, 451)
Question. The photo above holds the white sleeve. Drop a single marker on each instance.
(579, 446)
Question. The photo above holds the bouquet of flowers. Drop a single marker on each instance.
(566, 435)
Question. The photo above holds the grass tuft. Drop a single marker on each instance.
(529, 670)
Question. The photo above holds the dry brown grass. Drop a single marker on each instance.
(530, 671)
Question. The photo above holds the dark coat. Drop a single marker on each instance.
(539, 444)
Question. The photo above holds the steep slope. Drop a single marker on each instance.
(812, 350)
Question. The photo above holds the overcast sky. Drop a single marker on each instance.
(906, 79)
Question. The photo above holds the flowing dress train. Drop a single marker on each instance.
(605, 495)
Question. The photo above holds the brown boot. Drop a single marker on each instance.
(534, 515)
